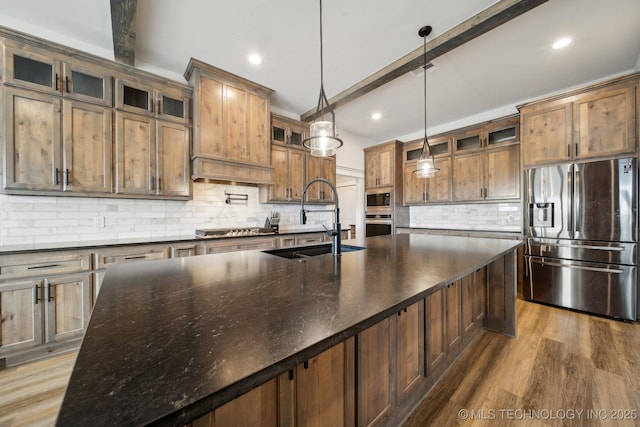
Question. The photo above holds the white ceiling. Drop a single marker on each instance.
(481, 80)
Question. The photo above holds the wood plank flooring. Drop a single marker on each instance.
(561, 363)
(563, 369)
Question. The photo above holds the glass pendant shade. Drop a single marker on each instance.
(426, 168)
(322, 142)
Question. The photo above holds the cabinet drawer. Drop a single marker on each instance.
(134, 254)
(214, 248)
(41, 264)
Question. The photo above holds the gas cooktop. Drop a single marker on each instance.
(210, 233)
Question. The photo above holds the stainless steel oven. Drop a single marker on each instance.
(378, 224)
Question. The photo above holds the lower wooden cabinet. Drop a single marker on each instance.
(44, 310)
(316, 393)
(320, 392)
(410, 324)
(390, 364)
(375, 361)
(378, 376)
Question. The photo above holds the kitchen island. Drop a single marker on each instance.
(171, 340)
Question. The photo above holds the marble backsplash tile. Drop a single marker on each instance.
(481, 216)
(34, 219)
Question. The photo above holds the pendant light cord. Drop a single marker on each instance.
(424, 67)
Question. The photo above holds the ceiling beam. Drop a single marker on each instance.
(123, 27)
(483, 22)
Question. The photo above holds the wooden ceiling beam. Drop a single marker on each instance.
(485, 21)
(123, 27)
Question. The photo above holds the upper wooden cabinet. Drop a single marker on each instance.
(490, 170)
(58, 126)
(43, 71)
(432, 190)
(320, 167)
(231, 126)
(74, 157)
(491, 134)
(477, 163)
(287, 131)
(381, 164)
(599, 121)
(288, 175)
(141, 97)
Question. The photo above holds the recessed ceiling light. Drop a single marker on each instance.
(255, 59)
(560, 43)
(376, 116)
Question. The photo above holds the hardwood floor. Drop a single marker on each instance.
(31, 394)
(561, 365)
(563, 369)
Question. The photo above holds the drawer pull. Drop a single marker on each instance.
(35, 267)
(136, 257)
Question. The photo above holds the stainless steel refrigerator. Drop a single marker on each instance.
(581, 230)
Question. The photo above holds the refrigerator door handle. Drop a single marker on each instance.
(570, 205)
(577, 212)
(579, 267)
(599, 248)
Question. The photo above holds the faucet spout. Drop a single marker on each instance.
(336, 247)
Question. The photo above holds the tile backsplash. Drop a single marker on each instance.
(485, 216)
(43, 219)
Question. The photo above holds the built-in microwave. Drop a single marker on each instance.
(378, 200)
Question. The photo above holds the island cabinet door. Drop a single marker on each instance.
(453, 320)
(320, 392)
(435, 331)
(375, 369)
(258, 407)
(466, 307)
(410, 349)
(21, 314)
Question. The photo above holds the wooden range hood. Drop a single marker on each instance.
(231, 126)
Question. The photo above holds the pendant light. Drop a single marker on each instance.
(322, 140)
(426, 166)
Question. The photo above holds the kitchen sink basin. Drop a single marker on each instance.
(309, 251)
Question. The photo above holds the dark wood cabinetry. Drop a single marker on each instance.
(231, 120)
(597, 121)
(483, 165)
(59, 120)
(486, 162)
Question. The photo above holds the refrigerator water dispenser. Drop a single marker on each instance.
(541, 214)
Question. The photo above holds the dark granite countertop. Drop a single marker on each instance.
(170, 340)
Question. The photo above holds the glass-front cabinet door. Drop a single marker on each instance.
(87, 84)
(134, 97)
(31, 70)
(172, 105)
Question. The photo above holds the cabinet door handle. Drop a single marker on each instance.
(290, 374)
(159, 107)
(66, 176)
(576, 153)
(67, 83)
(153, 182)
(34, 267)
(426, 196)
(49, 292)
(56, 179)
(568, 150)
(159, 183)
(57, 82)
(306, 364)
(37, 294)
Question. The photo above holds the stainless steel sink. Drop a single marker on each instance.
(302, 252)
